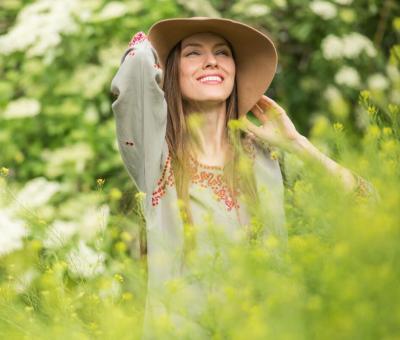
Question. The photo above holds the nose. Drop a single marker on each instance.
(210, 60)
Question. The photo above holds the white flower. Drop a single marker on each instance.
(257, 10)
(377, 82)
(97, 76)
(39, 25)
(324, 9)
(331, 47)
(355, 43)
(332, 93)
(60, 233)
(109, 55)
(36, 192)
(113, 9)
(349, 46)
(344, 2)
(24, 281)
(94, 220)
(280, 3)
(21, 108)
(58, 160)
(85, 262)
(12, 232)
(347, 76)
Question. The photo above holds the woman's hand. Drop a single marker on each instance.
(277, 129)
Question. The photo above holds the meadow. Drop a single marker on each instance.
(70, 221)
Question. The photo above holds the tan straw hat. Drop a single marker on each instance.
(255, 53)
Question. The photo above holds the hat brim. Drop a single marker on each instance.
(255, 53)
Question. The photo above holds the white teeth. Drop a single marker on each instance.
(211, 78)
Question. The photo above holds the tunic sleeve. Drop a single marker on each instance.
(140, 111)
(365, 190)
(270, 184)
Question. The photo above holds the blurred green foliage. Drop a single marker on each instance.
(70, 265)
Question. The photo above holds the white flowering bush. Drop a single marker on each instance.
(70, 219)
(13, 230)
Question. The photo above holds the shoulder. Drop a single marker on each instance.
(266, 162)
(255, 149)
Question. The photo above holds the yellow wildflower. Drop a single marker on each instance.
(387, 131)
(120, 247)
(274, 154)
(100, 181)
(4, 171)
(338, 127)
(374, 131)
(365, 95)
(115, 194)
(118, 277)
(126, 236)
(140, 196)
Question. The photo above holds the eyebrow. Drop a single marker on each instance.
(200, 45)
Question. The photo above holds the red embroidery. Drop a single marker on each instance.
(201, 175)
(163, 182)
(137, 38)
(215, 182)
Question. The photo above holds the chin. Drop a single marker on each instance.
(209, 99)
(211, 96)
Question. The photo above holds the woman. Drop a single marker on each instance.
(179, 89)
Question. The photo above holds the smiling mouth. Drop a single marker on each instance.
(211, 80)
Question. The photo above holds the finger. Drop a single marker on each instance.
(267, 102)
(270, 106)
(259, 113)
(264, 103)
(274, 104)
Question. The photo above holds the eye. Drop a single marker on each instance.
(224, 52)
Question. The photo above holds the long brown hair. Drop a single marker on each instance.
(177, 137)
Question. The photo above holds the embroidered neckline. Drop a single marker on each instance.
(202, 175)
(205, 166)
(216, 183)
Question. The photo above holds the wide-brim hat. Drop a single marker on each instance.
(255, 53)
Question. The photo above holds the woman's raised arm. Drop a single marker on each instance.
(141, 113)
(278, 130)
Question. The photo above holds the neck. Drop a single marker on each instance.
(208, 137)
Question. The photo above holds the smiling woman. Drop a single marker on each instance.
(179, 90)
(172, 114)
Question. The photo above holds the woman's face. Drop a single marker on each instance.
(206, 54)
